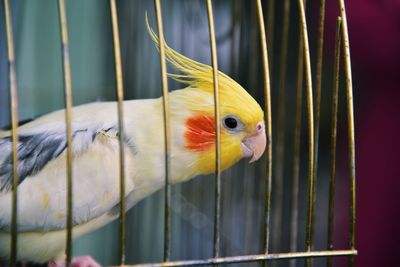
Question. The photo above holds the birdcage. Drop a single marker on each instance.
(283, 17)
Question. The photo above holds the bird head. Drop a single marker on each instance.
(192, 110)
(242, 130)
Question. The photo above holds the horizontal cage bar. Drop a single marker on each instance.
(251, 258)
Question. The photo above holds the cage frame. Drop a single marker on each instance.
(341, 39)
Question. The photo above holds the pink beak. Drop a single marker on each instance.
(254, 145)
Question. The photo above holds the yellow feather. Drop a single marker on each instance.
(200, 76)
(234, 100)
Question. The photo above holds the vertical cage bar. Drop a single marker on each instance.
(310, 111)
(296, 148)
(120, 98)
(68, 110)
(335, 91)
(167, 209)
(280, 136)
(350, 121)
(214, 59)
(318, 82)
(14, 125)
(267, 95)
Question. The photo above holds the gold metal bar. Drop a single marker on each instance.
(311, 148)
(68, 110)
(296, 149)
(217, 130)
(280, 139)
(270, 30)
(167, 210)
(335, 92)
(251, 71)
(267, 106)
(14, 125)
(317, 104)
(250, 258)
(350, 121)
(120, 98)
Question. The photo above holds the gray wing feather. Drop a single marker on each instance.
(36, 150)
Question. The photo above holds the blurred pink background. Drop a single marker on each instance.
(374, 28)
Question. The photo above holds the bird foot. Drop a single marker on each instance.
(81, 261)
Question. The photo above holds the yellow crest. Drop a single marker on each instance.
(200, 76)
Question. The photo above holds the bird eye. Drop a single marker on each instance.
(231, 123)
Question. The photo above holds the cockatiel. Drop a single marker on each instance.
(42, 156)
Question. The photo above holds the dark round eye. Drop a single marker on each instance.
(230, 123)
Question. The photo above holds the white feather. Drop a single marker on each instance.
(42, 197)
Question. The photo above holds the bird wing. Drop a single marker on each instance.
(42, 186)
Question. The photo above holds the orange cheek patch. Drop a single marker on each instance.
(200, 133)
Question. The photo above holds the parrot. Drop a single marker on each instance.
(42, 145)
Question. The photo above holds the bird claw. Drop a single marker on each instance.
(81, 261)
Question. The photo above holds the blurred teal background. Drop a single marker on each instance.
(39, 73)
